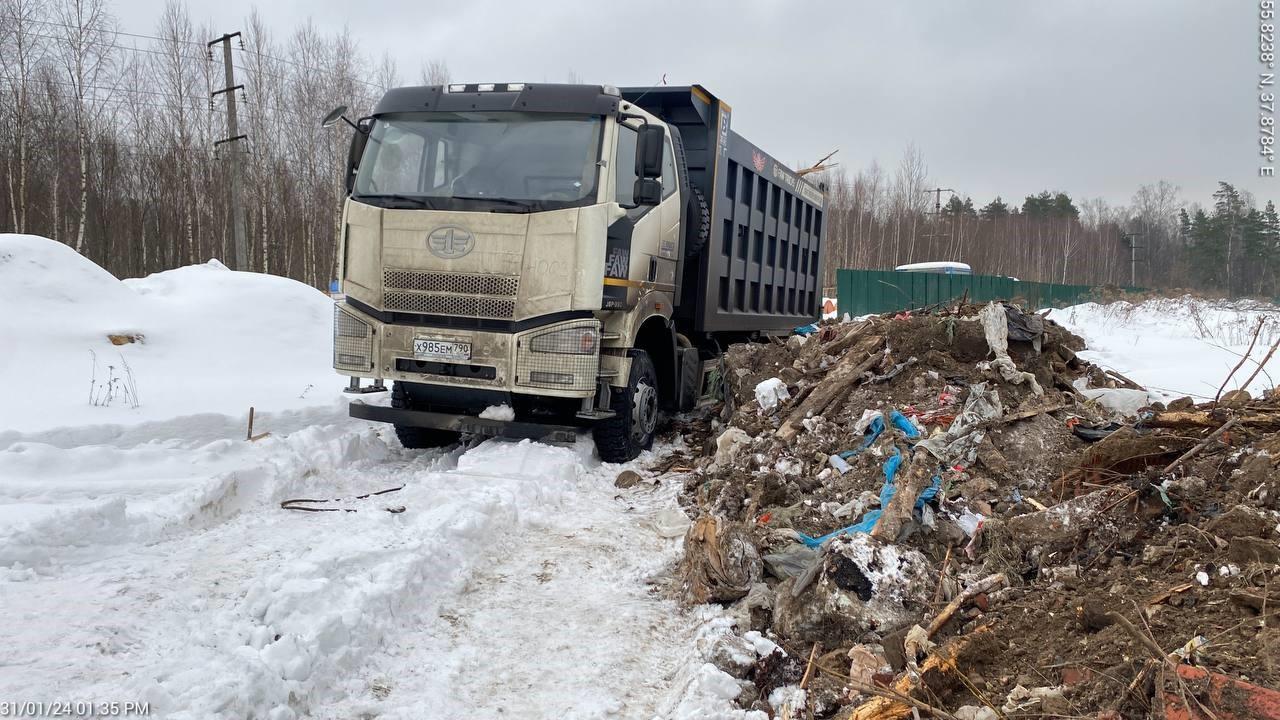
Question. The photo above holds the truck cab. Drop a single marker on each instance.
(515, 258)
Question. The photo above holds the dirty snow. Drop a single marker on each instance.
(498, 412)
(144, 555)
(1178, 346)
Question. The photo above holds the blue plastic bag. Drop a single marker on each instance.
(887, 490)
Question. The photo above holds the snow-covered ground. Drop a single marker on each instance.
(1179, 346)
(144, 555)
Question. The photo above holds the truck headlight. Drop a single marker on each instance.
(543, 377)
(570, 341)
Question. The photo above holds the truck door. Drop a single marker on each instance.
(644, 245)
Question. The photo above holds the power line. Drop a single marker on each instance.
(204, 56)
(330, 72)
(110, 89)
(113, 32)
(132, 48)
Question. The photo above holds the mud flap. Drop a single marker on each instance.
(689, 378)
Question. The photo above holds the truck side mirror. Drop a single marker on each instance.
(649, 151)
(334, 116)
(648, 191)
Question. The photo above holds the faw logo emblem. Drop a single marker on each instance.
(450, 242)
(758, 160)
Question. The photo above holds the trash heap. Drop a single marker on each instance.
(950, 513)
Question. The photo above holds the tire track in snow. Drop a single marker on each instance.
(516, 584)
(564, 620)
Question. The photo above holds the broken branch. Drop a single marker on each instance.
(1196, 450)
(986, 584)
(837, 382)
(1243, 358)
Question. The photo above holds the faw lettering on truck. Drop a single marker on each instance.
(579, 253)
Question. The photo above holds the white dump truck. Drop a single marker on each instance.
(531, 260)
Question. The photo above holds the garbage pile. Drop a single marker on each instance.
(950, 514)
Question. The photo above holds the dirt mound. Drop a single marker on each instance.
(951, 511)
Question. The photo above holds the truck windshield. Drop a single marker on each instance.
(499, 161)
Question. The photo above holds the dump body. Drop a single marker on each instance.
(761, 268)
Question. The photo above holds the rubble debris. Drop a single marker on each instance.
(948, 513)
(628, 479)
(720, 561)
(770, 393)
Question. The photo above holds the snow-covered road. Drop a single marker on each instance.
(518, 582)
(563, 620)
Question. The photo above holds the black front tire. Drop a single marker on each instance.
(418, 438)
(622, 437)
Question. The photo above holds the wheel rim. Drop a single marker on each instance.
(644, 411)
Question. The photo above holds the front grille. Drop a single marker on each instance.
(436, 293)
(462, 283)
(436, 304)
(352, 341)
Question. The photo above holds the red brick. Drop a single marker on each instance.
(1072, 676)
(1225, 694)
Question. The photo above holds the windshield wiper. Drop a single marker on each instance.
(523, 205)
(417, 201)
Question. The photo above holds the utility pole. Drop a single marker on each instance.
(1131, 238)
(937, 210)
(234, 156)
(937, 199)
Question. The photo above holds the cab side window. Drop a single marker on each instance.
(624, 166)
(670, 183)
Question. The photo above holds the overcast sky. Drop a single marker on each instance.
(1002, 97)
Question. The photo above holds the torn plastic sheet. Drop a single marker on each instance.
(771, 393)
(887, 491)
(868, 416)
(995, 325)
(876, 426)
(959, 444)
(1024, 327)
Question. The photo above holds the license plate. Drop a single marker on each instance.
(428, 349)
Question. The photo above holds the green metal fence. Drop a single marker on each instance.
(866, 292)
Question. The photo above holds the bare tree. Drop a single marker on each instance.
(386, 76)
(435, 72)
(85, 54)
(20, 52)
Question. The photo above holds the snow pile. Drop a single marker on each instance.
(1178, 346)
(198, 339)
(498, 412)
